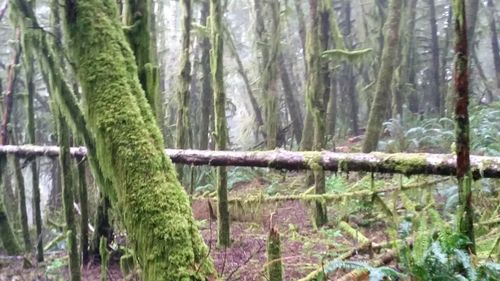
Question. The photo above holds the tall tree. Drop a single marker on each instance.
(184, 79)
(315, 101)
(494, 40)
(221, 134)
(67, 196)
(130, 147)
(435, 87)
(465, 213)
(206, 88)
(383, 87)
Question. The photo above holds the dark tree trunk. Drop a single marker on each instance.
(465, 213)
(290, 93)
(494, 40)
(206, 88)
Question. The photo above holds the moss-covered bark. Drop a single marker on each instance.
(315, 102)
(206, 88)
(84, 208)
(22, 205)
(465, 211)
(290, 94)
(67, 197)
(9, 241)
(274, 264)
(155, 209)
(221, 134)
(383, 87)
(183, 81)
(137, 18)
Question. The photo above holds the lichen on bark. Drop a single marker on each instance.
(155, 209)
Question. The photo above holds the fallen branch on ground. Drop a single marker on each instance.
(399, 163)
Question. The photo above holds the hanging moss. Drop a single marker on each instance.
(155, 209)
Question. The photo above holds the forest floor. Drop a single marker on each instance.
(304, 246)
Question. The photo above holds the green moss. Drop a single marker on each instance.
(404, 163)
(274, 264)
(313, 159)
(155, 208)
(6, 234)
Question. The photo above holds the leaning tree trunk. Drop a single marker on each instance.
(129, 147)
(383, 87)
(221, 135)
(465, 213)
(67, 196)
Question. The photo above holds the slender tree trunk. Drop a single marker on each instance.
(130, 145)
(184, 79)
(216, 63)
(22, 205)
(494, 40)
(29, 57)
(67, 197)
(382, 91)
(465, 213)
(302, 28)
(435, 86)
(84, 208)
(444, 62)
(206, 89)
(315, 102)
(290, 93)
(6, 234)
(241, 70)
(137, 18)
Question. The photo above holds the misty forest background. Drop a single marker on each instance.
(339, 76)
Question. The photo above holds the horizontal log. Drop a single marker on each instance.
(399, 163)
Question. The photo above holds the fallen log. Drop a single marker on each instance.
(399, 163)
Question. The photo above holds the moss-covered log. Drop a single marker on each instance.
(130, 147)
(398, 163)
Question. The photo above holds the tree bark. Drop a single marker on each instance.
(216, 63)
(402, 163)
(291, 102)
(130, 147)
(383, 88)
(465, 211)
(206, 89)
(67, 197)
(84, 207)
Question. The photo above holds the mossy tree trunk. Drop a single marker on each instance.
(67, 196)
(22, 204)
(84, 208)
(184, 79)
(29, 56)
(494, 39)
(315, 103)
(6, 234)
(383, 87)
(130, 147)
(274, 263)
(465, 213)
(221, 134)
(206, 88)
(290, 94)
(137, 18)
